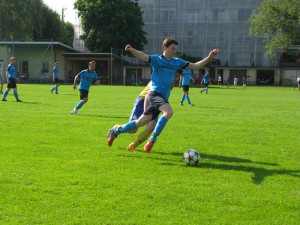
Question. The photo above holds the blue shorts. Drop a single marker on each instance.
(156, 100)
(83, 94)
(138, 108)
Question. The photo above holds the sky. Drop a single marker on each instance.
(58, 5)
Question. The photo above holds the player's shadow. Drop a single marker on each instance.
(103, 116)
(259, 173)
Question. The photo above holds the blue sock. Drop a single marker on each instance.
(52, 89)
(131, 125)
(16, 95)
(203, 89)
(5, 94)
(79, 105)
(206, 90)
(161, 123)
(188, 99)
(56, 89)
(182, 99)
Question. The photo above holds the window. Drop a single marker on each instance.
(45, 67)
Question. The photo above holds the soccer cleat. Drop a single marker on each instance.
(181, 104)
(74, 111)
(51, 91)
(18, 100)
(148, 146)
(131, 148)
(111, 136)
(191, 104)
(4, 100)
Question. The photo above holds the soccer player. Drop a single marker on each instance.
(184, 82)
(11, 76)
(55, 76)
(206, 81)
(2, 84)
(137, 111)
(244, 83)
(87, 77)
(164, 68)
(235, 81)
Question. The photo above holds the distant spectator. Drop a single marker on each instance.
(235, 81)
(298, 82)
(219, 80)
(244, 83)
(228, 83)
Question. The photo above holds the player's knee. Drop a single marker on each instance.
(85, 100)
(133, 131)
(168, 114)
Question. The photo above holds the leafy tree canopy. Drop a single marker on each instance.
(111, 24)
(278, 21)
(32, 20)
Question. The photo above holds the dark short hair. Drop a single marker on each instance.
(168, 41)
(92, 62)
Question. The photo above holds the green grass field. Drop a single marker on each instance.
(56, 168)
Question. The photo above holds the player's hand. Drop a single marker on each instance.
(128, 48)
(74, 87)
(97, 82)
(213, 53)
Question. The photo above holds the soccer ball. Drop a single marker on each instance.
(191, 157)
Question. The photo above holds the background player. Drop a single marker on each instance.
(184, 82)
(206, 81)
(87, 77)
(55, 77)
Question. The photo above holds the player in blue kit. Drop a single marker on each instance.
(11, 75)
(87, 77)
(55, 76)
(164, 69)
(206, 81)
(184, 82)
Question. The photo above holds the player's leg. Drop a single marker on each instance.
(143, 136)
(167, 113)
(83, 99)
(5, 93)
(131, 125)
(16, 94)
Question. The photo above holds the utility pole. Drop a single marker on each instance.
(62, 13)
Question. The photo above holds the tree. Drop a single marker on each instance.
(111, 23)
(278, 22)
(32, 20)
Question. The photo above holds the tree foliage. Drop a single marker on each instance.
(278, 21)
(31, 20)
(111, 24)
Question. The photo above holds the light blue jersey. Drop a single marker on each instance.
(206, 78)
(12, 73)
(55, 71)
(163, 73)
(87, 78)
(186, 77)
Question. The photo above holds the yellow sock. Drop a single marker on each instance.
(143, 136)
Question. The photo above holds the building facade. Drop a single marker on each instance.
(202, 25)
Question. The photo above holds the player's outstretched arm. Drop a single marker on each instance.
(137, 54)
(203, 62)
(75, 81)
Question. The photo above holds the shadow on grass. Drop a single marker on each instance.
(102, 116)
(259, 174)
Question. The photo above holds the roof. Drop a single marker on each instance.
(39, 44)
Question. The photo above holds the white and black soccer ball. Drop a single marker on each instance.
(191, 157)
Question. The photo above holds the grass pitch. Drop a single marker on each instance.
(56, 168)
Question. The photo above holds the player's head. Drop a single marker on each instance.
(169, 46)
(12, 60)
(92, 66)
(56, 63)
